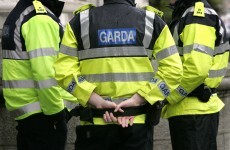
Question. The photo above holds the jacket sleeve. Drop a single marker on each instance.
(169, 71)
(198, 48)
(221, 58)
(41, 35)
(67, 69)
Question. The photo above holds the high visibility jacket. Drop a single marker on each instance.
(200, 36)
(30, 43)
(108, 49)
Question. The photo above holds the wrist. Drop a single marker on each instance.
(139, 99)
(95, 100)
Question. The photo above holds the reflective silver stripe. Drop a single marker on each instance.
(217, 73)
(112, 51)
(17, 30)
(221, 31)
(222, 48)
(42, 52)
(182, 91)
(148, 28)
(12, 54)
(206, 11)
(119, 77)
(70, 105)
(166, 53)
(180, 50)
(51, 13)
(28, 83)
(46, 83)
(19, 54)
(18, 84)
(32, 107)
(199, 48)
(190, 9)
(84, 20)
(175, 34)
(149, 53)
(210, 11)
(68, 50)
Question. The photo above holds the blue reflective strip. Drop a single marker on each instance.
(71, 87)
(164, 89)
(154, 80)
(120, 36)
(182, 91)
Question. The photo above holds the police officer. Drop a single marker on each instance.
(104, 61)
(194, 106)
(30, 43)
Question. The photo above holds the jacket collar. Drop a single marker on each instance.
(54, 5)
(127, 2)
(182, 5)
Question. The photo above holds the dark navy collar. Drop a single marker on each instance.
(127, 2)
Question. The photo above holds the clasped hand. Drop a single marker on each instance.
(98, 102)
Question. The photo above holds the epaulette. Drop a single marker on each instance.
(39, 8)
(152, 9)
(199, 9)
(84, 7)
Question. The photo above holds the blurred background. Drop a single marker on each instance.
(161, 135)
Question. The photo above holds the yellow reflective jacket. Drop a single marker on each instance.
(30, 44)
(201, 39)
(109, 53)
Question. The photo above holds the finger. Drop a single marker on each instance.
(119, 120)
(131, 120)
(126, 121)
(109, 104)
(114, 105)
(118, 108)
(114, 119)
(108, 116)
(104, 117)
(123, 122)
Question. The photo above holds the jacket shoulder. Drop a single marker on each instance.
(39, 8)
(83, 8)
(153, 9)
